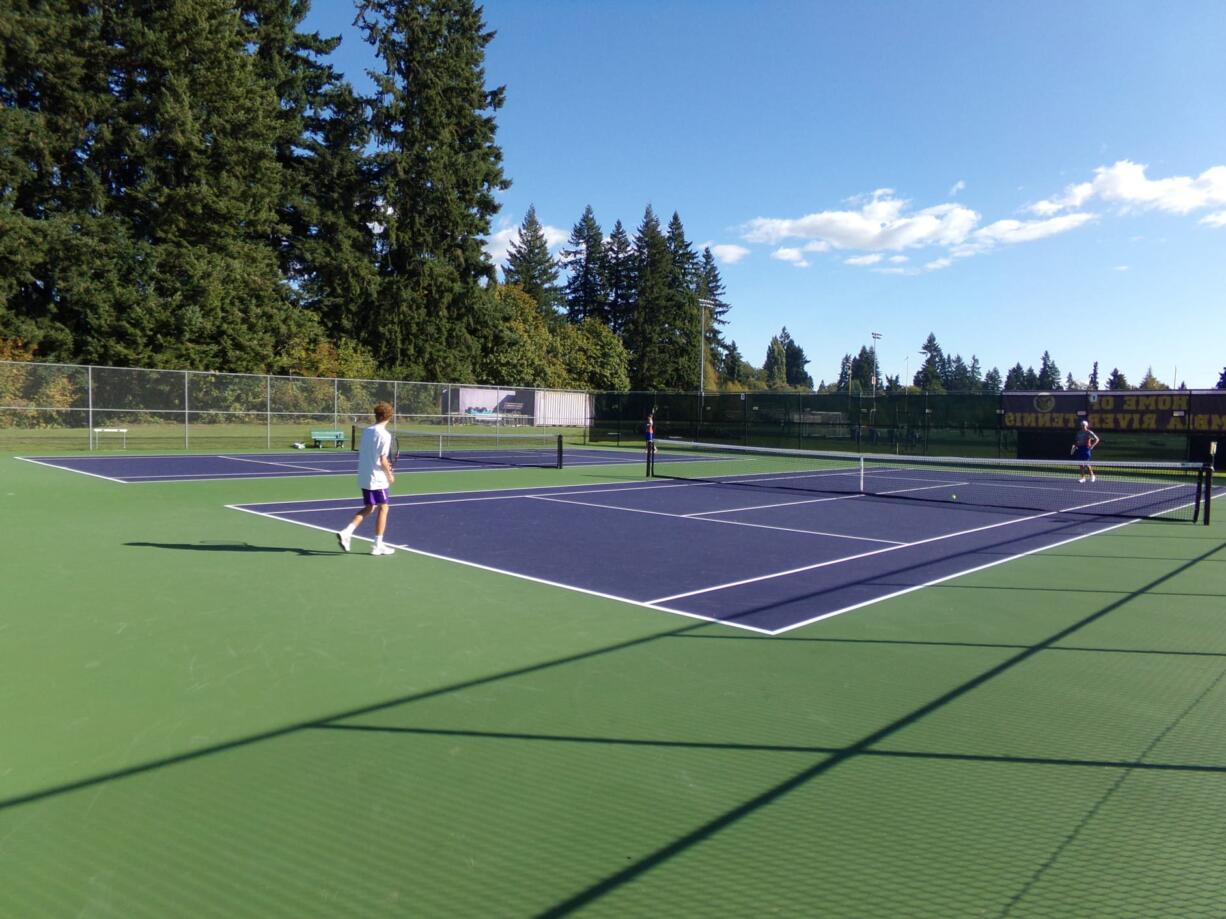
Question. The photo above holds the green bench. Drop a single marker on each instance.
(322, 438)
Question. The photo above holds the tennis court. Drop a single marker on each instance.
(869, 705)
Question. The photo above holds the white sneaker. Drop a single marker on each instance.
(343, 538)
(1082, 480)
(382, 550)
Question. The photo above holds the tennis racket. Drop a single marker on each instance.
(393, 452)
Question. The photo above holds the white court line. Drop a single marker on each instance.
(516, 574)
(733, 523)
(950, 577)
(244, 459)
(918, 542)
(105, 478)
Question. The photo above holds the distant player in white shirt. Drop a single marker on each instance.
(375, 477)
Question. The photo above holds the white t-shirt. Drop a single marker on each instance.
(376, 442)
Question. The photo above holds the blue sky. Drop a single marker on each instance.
(1012, 177)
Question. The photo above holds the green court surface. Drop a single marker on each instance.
(209, 713)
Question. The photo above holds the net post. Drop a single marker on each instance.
(862, 491)
(559, 451)
(1209, 480)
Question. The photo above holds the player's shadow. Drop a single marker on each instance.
(231, 547)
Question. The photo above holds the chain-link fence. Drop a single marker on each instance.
(70, 407)
(1173, 425)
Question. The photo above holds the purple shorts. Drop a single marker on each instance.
(373, 496)
(1083, 454)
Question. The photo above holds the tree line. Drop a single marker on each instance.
(191, 184)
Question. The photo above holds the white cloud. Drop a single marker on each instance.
(1126, 185)
(939, 263)
(1121, 268)
(729, 253)
(1215, 220)
(899, 259)
(1010, 232)
(863, 259)
(880, 223)
(792, 255)
(958, 186)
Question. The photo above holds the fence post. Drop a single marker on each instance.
(187, 423)
(268, 407)
(89, 389)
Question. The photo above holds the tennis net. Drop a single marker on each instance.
(487, 449)
(1173, 491)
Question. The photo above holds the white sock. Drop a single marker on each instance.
(379, 541)
(348, 531)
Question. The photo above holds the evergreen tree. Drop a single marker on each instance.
(1016, 377)
(436, 171)
(863, 369)
(332, 242)
(992, 382)
(1221, 381)
(1093, 384)
(957, 377)
(776, 364)
(711, 295)
(662, 333)
(975, 376)
(1049, 374)
(1117, 382)
(531, 267)
(733, 367)
(1070, 383)
(620, 280)
(928, 377)
(1151, 382)
(584, 261)
(794, 362)
(1032, 379)
(843, 383)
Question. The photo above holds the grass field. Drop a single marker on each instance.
(209, 713)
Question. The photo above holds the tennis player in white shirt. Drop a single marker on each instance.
(375, 477)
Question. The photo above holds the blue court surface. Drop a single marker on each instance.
(749, 558)
(134, 469)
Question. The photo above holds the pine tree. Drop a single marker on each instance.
(1070, 383)
(975, 376)
(1221, 381)
(436, 170)
(776, 364)
(584, 261)
(1093, 384)
(1015, 379)
(928, 377)
(1117, 382)
(794, 362)
(1049, 374)
(733, 367)
(992, 383)
(662, 334)
(863, 369)
(1151, 382)
(843, 383)
(620, 280)
(710, 291)
(531, 267)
